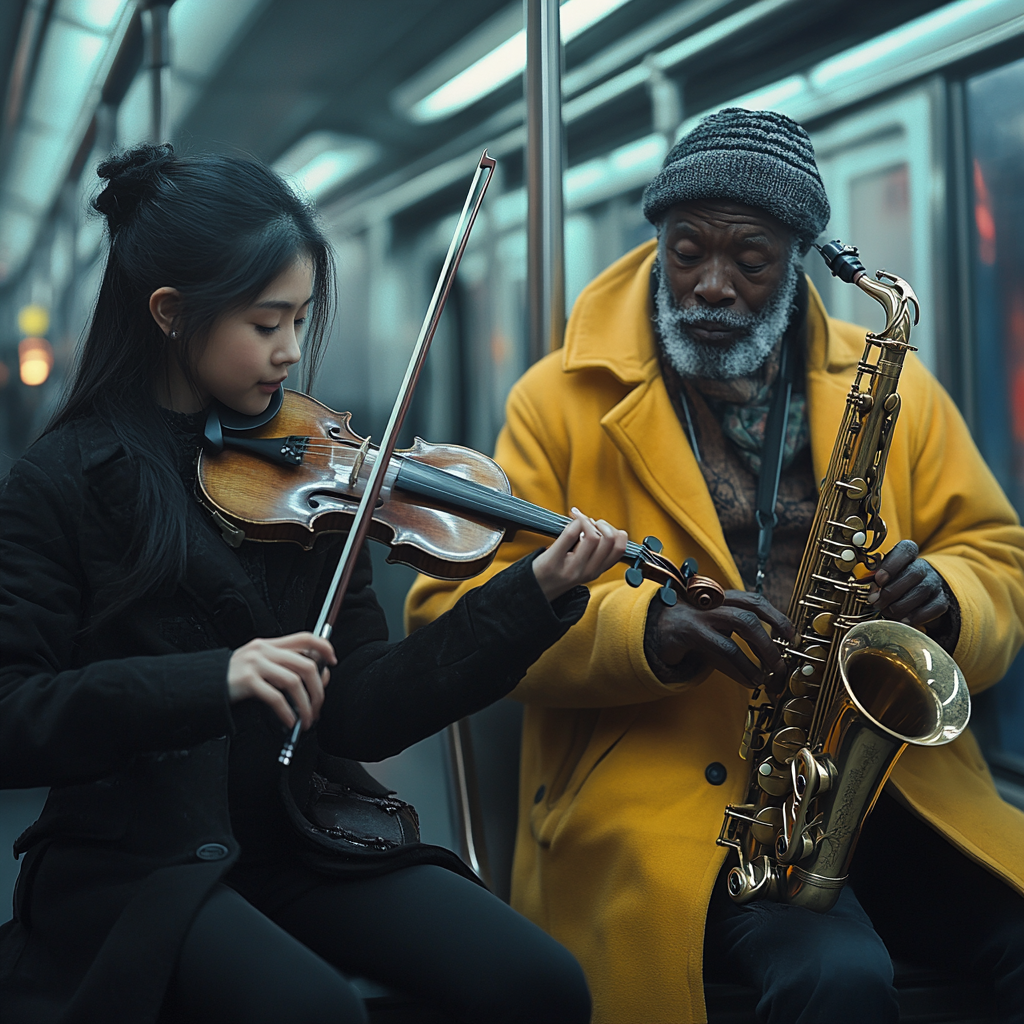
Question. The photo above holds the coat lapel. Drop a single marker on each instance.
(646, 430)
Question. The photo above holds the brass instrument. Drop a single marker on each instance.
(857, 689)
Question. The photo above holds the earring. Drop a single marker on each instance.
(174, 335)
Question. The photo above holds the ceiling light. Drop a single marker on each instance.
(504, 62)
(322, 161)
(928, 28)
(76, 52)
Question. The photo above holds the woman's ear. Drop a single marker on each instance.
(165, 304)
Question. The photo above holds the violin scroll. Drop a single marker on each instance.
(700, 591)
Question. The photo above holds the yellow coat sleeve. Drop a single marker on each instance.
(600, 662)
(967, 529)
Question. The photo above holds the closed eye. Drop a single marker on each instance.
(686, 257)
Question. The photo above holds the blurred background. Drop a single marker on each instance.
(379, 111)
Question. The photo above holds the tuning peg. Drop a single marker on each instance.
(634, 574)
(689, 568)
(668, 595)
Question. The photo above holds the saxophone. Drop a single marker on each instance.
(826, 733)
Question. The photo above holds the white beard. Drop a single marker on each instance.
(744, 357)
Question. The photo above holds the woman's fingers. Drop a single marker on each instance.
(305, 667)
(276, 701)
(291, 685)
(306, 642)
(284, 672)
(582, 551)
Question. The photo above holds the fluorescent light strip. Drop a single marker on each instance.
(77, 50)
(504, 63)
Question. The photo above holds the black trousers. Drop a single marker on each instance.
(423, 930)
(911, 896)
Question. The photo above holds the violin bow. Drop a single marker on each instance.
(364, 513)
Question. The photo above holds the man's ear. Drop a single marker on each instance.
(165, 304)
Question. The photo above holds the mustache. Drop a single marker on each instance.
(719, 316)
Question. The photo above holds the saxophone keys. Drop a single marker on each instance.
(892, 403)
(773, 778)
(798, 712)
(766, 825)
(856, 488)
(804, 686)
(786, 743)
(823, 623)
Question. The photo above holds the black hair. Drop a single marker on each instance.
(219, 230)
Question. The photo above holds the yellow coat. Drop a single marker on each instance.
(616, 853)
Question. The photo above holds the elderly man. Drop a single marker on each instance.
(655, 412)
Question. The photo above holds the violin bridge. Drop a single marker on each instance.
(357, 465)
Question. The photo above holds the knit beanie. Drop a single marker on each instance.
(755, 157)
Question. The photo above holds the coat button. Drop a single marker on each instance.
(539, 795)
(212, 851)
(715, 773)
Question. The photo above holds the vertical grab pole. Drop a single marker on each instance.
(158, 67)
(544, 166)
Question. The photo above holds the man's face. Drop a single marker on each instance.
(718, 254)
(728, 278)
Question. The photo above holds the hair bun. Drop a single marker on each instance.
(131, 177)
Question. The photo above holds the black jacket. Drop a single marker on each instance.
(160, 787)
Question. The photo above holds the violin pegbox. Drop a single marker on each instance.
(635, 573)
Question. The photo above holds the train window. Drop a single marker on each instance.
(995, 111)
(880, 168)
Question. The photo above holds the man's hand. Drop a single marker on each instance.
(907, 589)
(683, 630)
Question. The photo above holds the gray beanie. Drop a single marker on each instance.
(756, 157)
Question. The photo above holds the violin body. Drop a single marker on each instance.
(267, 501)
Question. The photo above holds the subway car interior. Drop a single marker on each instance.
(379, 111)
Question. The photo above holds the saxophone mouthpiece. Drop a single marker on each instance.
(842, 260)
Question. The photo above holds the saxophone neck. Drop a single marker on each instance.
(901, 305)
(892, 293)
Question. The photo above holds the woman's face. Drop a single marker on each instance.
(247, 353)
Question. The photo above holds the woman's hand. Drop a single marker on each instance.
(683, 630)
(280, 668)
(582, 551)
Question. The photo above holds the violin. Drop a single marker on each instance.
(442, 509)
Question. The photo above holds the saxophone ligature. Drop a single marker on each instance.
(822, 740)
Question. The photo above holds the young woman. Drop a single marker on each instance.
(149, 670)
